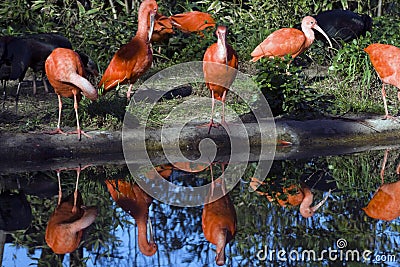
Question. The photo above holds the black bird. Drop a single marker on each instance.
(17, 54)
(41, 45)
(342, 25)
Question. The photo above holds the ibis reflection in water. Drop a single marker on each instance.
(385, 204)
(292, 195)
(219, 220)
(132, 199)
(69, 219)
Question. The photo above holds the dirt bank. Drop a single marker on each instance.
(310, 138)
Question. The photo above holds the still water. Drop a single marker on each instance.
(275, 226)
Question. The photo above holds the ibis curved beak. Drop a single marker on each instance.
(316, 207)
(324, 34)
(152, 19)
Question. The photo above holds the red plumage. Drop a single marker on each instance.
(220, 63)
(133, 59)
(65, 72)
(386, 61)
(288, 41)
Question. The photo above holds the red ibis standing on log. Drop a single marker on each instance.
(220, 63)
(65, 72)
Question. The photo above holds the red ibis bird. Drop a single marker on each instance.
(162, 28)
(219, 223)
(220, 63)
(341, 25)
(293, 195)
(288, 41)
(132, 199)
(133, 59)
(386, 61)
(194, 21)
(17, 54)
(65, 227)
(65, 72)
(385, 204)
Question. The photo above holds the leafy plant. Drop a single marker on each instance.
(284, 87)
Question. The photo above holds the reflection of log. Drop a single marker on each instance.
(316, 138)
(2, 243)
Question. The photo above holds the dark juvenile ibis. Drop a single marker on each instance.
(343, 25)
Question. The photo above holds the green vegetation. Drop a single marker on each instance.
(99, 29)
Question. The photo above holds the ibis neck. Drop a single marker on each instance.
(221, 51)
(307, 201)
(309, 33)
(145, 247)
(143, 24)
(221, 243)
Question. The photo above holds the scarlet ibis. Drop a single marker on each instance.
(288, 41)
(219, 224)
(386, 61)
(65, 227)
(65, 72)
(133, 59)
(31, 51)
(194, 21)
(220, 63)
(40, 46)
(293, 195)
(132, 199)
(384, 205)
(162, 28)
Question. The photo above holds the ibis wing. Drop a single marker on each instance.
(280, 43)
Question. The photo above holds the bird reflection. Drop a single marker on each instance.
(132, 199)
(385, 204)
(292, 195)
(165, 170)
(69, 219)
(219, 221)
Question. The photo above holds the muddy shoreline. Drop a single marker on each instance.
(330, 136)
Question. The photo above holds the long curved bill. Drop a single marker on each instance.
(324, 34)
(316, 207)
(152, 19)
